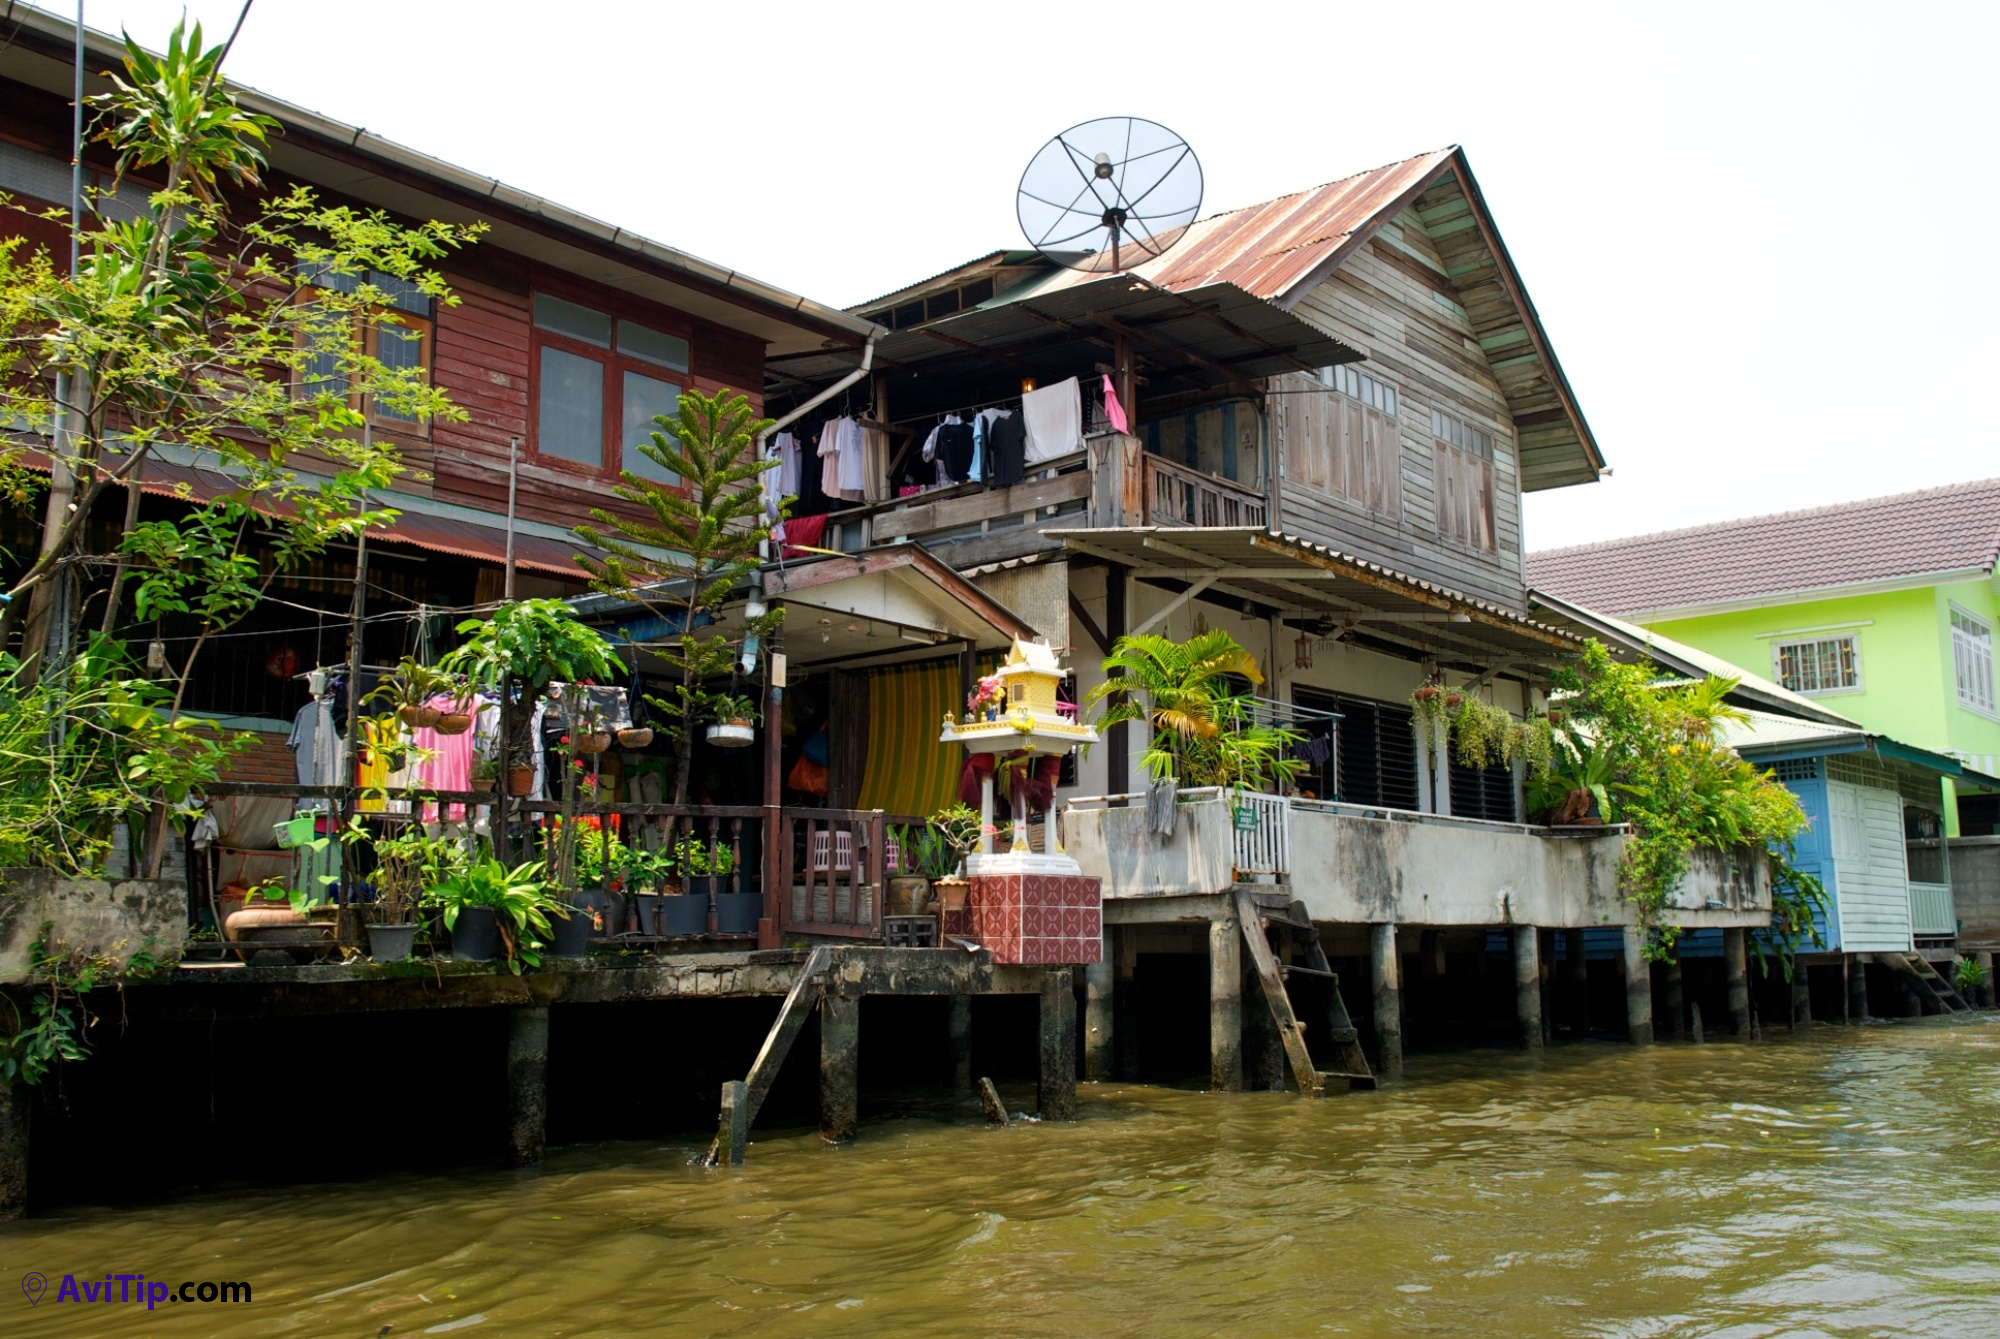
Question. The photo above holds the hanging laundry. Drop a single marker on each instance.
(874, 464)
(801, 533)
(785, 450)
(952, 448)
(1113, 408)
(1006, 449)
(1054, 419)
(843, 471)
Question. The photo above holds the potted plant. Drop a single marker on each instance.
(910, 889)
(955, 829)
(405, 865)
(646, 874)
(486, 774)
(455, 718)
(635, 736)
(598, 860)
(686, 913)
(735, 913)
(1576, 792)
(495, 912)
(409, 688)
(588, 730)
(733, 720)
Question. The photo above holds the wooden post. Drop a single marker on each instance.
(1801, 994)
(1638, 989)
(768, 936)
(1577, 968)
(1098, 1009)
(1225, 1006)
(1527, 986)
(732, 1131)
(989, 1101)
(15, 1101)
(1124, 1002)
(839, 1067)
(959, 1027)
(1057, 1089)
(1986, 995)
(1676, 997)
(1263, 1048)
(1117, 739)
(1736, 978)
(1385, 971)
(527, 1083)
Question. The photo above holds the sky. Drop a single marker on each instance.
(1760, 235)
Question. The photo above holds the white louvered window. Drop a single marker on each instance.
(1819, 665)
(1377, 394)
(1972, 660)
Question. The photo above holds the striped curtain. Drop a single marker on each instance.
(909, 771)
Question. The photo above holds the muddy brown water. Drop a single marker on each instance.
(1837, 1182)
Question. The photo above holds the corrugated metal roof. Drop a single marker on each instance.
(1951, 529)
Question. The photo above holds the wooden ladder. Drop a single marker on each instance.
(1258, 925)
(741, 1099)
(1930, 986)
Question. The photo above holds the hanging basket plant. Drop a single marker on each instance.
(1427, 705)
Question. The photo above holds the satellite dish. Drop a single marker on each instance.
(1109, 194)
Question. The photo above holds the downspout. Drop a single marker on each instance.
(867, 362)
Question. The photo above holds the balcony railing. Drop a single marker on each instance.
(1177, 495)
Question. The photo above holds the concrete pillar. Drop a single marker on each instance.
(1676, 1000)
(959, 1027)
(1577, 968)
(527, 1083)
(15, 1100)
(732, 1132)
(1058, 1045)
(1099, 1026)
(1125, 1001)
(1528, 985)
(1638, 989)
(1225, 1006)
(839, 1068)
(1736, 980)
(1985, 992)
(1385, 971)
(1801, 994)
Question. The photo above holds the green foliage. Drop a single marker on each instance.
(519, 902)
(645, 870)
(529, 645)
(58, 1022)
(407, 864)
(702, 536)
(1203, 731)
(1968, 974)
(86, 747)
(1652, 756)
(950, 832)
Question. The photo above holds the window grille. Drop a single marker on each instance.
(1797, 769)
(1972, 660)
(1819, 665)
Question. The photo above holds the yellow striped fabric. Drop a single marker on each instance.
(909, 771)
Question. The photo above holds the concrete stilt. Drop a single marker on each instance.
(959, 1030)
(1676, 1001)
(1578, 971)
(1545, 955)
(527, 1083)
(1801, 994)
(1736, 978)
(1057, 1089)
(1124, 1002)
(1638, 989)
(15, 1100)
(1099, 1026)
(1528, 986)
(1985, 991)
(1385, 971)
(732, 1131)
(1225, 1006)
(839, 1068)
(1694, 1023)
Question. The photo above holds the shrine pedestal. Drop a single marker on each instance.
(1037, 919)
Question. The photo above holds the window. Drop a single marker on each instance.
(1821, 665)
(1972, 660)
(1482, 792)
(1462, 477)
(599, 382)
(397, 334)
(1341, 445)
(1373, 760)
(1377, 394)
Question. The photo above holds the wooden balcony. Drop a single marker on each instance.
(1177, 495)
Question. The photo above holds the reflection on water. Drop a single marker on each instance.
(1835, 1182)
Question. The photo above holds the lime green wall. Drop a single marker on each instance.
(1908, 686)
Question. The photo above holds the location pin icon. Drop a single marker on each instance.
(34, 1284)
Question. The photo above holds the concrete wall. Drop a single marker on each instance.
(1357, 867)
(1975, 889)
(113, 920)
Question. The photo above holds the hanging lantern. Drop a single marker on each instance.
(1302, 652)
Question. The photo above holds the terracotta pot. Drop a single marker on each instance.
(596, 743)
(520, 780)
(635, 737)
(952, 893)
(907, 895)
(1425, 692)
(454, 722)
(484, 784)
(1453, 701)
(421, 718)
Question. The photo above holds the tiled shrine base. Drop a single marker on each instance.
(1036, 919)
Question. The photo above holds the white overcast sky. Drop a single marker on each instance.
(1761, 235)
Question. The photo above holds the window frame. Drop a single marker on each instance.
(366, 339)
(1954, 613)
(1778, 649)
(1470, 450)
(614, 362)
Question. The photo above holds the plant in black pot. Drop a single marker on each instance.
(646, 874)
(405, 865)
(686, 913)
(494, 912)
(736, 912)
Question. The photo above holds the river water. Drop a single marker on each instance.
(1830, 1182)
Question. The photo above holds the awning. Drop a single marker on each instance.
(886, 600)
(1287, 573)
(1769, 738)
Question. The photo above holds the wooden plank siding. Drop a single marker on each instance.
(1395, 298)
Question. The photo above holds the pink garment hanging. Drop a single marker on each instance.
(449, 764)
(1114, 410)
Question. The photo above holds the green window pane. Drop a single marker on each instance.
(567, 318)
(399, 349)
(637, 341)
(644, 398)
(571, 421)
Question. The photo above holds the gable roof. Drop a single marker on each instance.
(1757, 560)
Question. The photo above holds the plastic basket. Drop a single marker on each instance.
(295, 831)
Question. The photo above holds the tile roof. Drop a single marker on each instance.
(1947, 529)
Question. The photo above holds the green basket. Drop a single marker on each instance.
(295, 831)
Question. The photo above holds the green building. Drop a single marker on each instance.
(1884, 610)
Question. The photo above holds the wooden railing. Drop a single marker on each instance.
(830, 872)
(1177, 495)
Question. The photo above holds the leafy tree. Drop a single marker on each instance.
(1204, 732)
(703, 538)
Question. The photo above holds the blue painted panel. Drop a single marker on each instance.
(1813, 853)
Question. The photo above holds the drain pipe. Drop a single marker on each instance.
(867, 362)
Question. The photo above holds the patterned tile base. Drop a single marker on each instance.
(1037, 919)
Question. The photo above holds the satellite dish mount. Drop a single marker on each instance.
(1116, 189)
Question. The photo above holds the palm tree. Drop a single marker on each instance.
(1204, 733)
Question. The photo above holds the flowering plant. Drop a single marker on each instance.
(989, 693)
